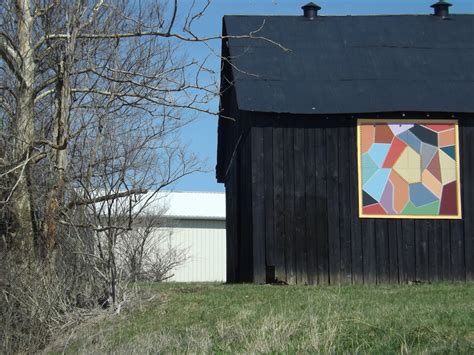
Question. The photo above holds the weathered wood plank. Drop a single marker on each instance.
(334, 237)
(279, 204)
(257, 190)
(402, 274)
(408, 232)
(310, 201)
(300, 208)
(368, 250)
(421, 251)
(467, 181)
(245, 214)
(392, 236)
(321, 206)
(268, 192)
(248, 221)
(344, 202)
(458, 268)
(381, 250)
(289, 196)
(446, 272)
(231, 227)
(433, 237)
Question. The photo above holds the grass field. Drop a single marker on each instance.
(247, 318)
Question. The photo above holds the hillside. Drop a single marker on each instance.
(249, 318)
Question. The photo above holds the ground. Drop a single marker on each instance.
(437, 318)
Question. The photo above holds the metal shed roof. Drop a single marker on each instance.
(170, 204)
(353, 64)
(195, 205)
(187, 205)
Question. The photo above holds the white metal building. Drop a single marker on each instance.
(196, 222)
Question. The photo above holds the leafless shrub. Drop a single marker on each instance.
(147, 254)
(92, 96)
(34, 306)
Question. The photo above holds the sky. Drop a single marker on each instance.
(201, 134)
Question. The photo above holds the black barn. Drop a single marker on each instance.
(288, 145)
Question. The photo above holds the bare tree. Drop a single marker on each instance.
(87, 85)
(91, 103)
(92, 96)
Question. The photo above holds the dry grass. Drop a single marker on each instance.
(247, 318)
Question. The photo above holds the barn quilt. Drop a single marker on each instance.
(408, 169)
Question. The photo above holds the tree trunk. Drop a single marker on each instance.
(23, 237)
(60, 155)
(55, 198)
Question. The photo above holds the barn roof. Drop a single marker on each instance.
(353, 64)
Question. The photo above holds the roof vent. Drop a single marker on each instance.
(311, 10)
(441, 8)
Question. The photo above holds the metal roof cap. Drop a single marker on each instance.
(311, 10)
(441, 8)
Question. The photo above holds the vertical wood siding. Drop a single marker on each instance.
(293, 211)
(205, 243)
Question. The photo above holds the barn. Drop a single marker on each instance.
(345, 144)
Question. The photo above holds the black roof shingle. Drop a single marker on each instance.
(353, 64)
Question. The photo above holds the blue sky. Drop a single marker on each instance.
(201, 134)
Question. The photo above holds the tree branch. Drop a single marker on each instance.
(107, 197)
(175, 10)
(10, 55)
(251, 35)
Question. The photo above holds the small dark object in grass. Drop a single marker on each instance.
(418, 282)
(104, 300)
(279, 283)
(190, 290)
(83, 302)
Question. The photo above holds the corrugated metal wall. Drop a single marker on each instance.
(205, 241)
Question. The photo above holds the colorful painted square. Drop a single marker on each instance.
(408, 169)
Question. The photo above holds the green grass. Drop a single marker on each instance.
(435, 318)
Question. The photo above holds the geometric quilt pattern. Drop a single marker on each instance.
(408, 169)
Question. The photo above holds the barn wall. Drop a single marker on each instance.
(235, 168)
(204, 242)
(304, 204)
(238, 185)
